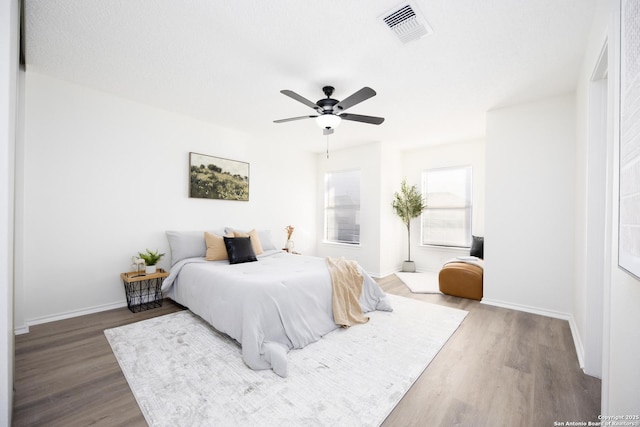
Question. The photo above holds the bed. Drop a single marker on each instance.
(279, 302)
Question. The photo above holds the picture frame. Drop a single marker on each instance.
(629, 140)
(213, 177)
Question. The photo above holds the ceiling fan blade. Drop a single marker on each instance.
(364, 119)
(305, 101)
(293, 118)
(361, 95)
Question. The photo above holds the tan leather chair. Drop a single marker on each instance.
(461, 279)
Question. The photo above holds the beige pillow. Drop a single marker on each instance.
(216, 250)
(255, 240)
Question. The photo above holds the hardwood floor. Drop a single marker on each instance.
(500, 368)
(66, 374)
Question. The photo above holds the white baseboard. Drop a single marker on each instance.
(21, 330)
(527, 309)
(577, 342)
(67, 315)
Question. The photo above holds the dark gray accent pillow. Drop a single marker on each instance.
(239, 249)
(477, 247)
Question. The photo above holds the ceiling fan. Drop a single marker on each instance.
(330, 111)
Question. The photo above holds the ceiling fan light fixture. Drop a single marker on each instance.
(328, 121)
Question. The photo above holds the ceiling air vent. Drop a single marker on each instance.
(406, 21)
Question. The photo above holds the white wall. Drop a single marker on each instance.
(530, 151)
(105, 177)
(464, 153)
(9, 18)
(392, 232)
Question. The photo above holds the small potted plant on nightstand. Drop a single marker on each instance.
(408, 204)
(150, 260)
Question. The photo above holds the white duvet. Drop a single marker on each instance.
(271, 306)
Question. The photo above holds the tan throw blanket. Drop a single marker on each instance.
(347, 283)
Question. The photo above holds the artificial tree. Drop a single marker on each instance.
(408, 204)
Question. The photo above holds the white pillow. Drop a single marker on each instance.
(265, 239)
(187, 244)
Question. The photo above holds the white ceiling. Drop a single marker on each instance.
(226, 61)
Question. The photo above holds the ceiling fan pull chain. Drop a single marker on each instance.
(327, 146)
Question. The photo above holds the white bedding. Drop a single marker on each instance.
(271, 306)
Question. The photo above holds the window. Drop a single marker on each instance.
(447, 219)
(342, 207)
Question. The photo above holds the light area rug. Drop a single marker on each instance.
(182, 372)
(421, 283)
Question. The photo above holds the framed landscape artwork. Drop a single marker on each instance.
(217, 178)
(629, 202)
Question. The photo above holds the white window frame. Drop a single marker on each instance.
(332, 232)
(459, 204)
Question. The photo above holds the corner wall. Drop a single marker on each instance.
(383, 244)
